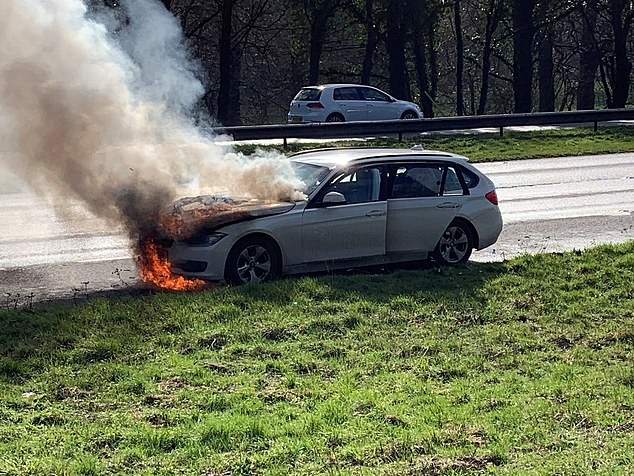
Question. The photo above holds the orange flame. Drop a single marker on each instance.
(155, 269)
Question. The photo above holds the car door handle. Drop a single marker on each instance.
(375, 213)
(448, 205)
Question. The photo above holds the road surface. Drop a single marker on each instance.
(548, 205)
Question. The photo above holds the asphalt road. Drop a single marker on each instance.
(548, 205)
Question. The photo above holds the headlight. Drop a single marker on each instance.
(205, 239)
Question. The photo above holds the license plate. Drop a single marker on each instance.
(296, 119)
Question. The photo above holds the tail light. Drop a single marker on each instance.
(315, 105)
(492, 197)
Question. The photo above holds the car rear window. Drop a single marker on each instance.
(471, 179)
(308, 94)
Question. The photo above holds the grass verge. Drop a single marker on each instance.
(513, 368)
(513, 145)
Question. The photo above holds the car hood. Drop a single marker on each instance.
(191, 216)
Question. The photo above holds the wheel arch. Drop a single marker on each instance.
(472, 229)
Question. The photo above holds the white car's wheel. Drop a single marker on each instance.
(409, 115)
(335, 117)
(455, 244)
(252, 260)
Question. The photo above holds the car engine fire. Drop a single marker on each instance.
(154, 268)
(187, 218)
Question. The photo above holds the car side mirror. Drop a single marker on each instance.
(333, 198)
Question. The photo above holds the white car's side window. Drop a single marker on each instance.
(452, 183)
(417, 181)
(362, 185)
(345, 94)
(426, 180)
(370, 94)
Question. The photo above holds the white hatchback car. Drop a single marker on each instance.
(364, 207)
(348, 102)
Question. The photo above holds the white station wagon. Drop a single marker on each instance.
(364, 207)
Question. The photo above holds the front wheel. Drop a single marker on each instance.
(455, 244)
(252, 260)
(409, 115)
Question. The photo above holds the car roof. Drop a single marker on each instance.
(338, 85)
(339, 156)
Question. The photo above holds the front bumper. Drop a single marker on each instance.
(202, 262)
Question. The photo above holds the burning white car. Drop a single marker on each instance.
(363, 207)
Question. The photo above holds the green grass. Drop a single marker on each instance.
(516, 368)
(513, 145)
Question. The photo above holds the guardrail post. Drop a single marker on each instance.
(285, 144)
(501, 131)
(596, 126)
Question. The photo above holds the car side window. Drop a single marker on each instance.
(426, 180)
(345, 94)
(370, 94)
(417, 181)
(452, 183)
(358, 186)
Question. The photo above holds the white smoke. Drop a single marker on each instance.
(99, 110)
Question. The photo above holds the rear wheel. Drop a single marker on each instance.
(335, 117)
(253, 260)
(455, 244)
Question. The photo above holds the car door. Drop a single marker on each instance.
(348, 102)
(353, 228)
(379, 106)
(424, 199)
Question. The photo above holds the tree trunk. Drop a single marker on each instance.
(523, 33)
(432, 56)
(225, 67)
(372, 39)
(397, 67)
(317, 34)
(459, 58)
(422, 80)
(588, 62)
(493, 16)
(546, 72)
(621, 78)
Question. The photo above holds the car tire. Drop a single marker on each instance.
(409, 115)
(335, 117)
(455, 244)
(253, 260)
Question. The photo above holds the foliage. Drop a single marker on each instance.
(582, 51)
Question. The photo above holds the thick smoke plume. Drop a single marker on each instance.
(97, 107)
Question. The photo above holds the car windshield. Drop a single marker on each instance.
(311, 175)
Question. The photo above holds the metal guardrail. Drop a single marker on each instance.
(342, 130)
